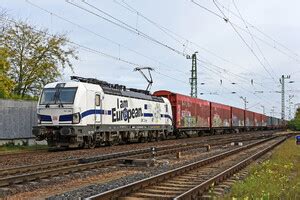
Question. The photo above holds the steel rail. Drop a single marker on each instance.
(43, 150)
(133, 187)
(168, 149)
(199, 189)
(66, 167)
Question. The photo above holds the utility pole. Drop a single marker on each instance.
(290, 106)
(263, 107)
(245, 101)
(272, 111)
(282, 81)
(193, 79)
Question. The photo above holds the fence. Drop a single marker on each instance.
(17, 119)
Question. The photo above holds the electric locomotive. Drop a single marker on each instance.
(87, 112)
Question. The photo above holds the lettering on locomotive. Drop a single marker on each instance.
(123, 112)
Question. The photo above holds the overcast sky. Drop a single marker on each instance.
(184, 27)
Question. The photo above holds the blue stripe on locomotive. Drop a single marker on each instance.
(64, 118)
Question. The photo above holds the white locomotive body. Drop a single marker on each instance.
(89, 112)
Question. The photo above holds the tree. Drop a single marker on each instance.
(35, 57)
(7, 84)
(294, 124)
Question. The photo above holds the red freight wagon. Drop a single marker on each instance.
(264, 120)
(220, 115)
(249, 118)
(238, 116)
(188, 113)
(257, 119)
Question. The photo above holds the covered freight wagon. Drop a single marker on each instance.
(275, 122)
(249, 119)
(220, 116)
(238, 116)
(188, 113)
(257, 119)
(269, 122)
(264, 120)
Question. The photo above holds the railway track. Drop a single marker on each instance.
(192, 180)
(45, 151)
(35, 172)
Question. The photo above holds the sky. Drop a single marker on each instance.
(243, 57)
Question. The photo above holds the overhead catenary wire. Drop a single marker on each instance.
(167, 31)
(110, 40)
(124, 25)
(132, 28)
(139, 32)
(116, 56)
(252, 37)
(244, 30)
(121, 26)
(101, 36)
(267, 101)
(241, 37)
(260, 31)
(163, 29)
(89, 49)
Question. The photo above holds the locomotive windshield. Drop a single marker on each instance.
(58, 96)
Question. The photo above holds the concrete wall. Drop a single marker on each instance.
(17, 119)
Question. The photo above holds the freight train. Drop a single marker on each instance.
(87, 112)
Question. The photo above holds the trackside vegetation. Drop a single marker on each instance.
(276, 178)
(294, 124)
(12, 148)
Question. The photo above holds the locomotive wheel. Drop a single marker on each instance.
(89, 143)
(92, 144)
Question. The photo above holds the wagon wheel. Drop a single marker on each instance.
(142, 139)
(150, 137)
(162, 136)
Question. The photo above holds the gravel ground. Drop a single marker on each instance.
(48, 187)
(163, 167)
(56, 185)
(90, 182)
(43, 157)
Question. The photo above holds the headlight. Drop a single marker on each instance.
(76, 118)
(38, 119)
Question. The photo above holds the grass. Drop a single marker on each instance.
(276, 178)
(11, 148)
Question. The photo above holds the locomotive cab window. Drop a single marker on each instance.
(166, 106)
(64, 95)
(97, 101)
